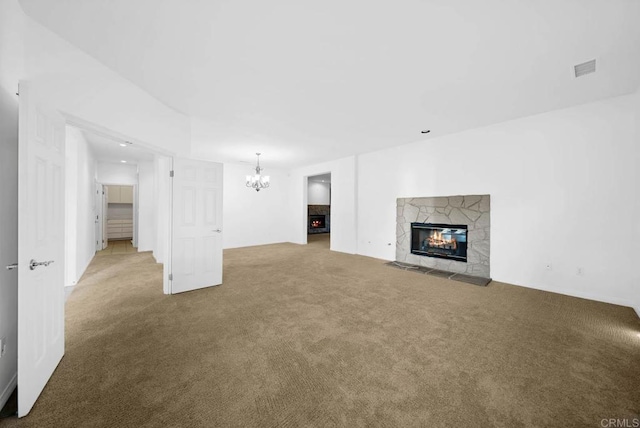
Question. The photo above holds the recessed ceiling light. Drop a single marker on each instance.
(123, 145)
(123, 161)
(426, 131)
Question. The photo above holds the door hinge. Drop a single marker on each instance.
(171, 173)
(170, 277)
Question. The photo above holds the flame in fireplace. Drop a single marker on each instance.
(436, 239)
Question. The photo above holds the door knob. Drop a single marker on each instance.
(12, 266)
(34, 264)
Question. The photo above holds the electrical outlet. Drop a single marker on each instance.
(3, 346)
(549, 266)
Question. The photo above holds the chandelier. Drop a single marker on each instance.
(258, 181)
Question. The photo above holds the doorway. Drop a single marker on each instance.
(319, 210)
(118, 220)
(111, 183)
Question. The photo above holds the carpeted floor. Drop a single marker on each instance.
(301, 336)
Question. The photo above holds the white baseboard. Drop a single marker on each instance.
(6, 393)
(580, 294)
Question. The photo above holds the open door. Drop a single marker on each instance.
(40, 247)
(105, 210)
(196, 244)
(98, 219)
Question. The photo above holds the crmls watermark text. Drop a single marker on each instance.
(620, 423)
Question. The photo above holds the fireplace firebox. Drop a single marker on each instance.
(317, 221)
(444, 241)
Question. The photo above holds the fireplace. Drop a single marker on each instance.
(444, 241)
(317, 221)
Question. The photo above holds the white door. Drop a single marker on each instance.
(105, 209)
(98, 218)
(196, 244)
(40, 247)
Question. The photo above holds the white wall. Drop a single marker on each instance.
(343, 202)
(255, 218)
(162, 203)
(563, 186)
(80, 206)
(318, 193)
(147, 228)
(79, 85)
(117, 173)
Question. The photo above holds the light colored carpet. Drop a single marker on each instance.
(301, 336)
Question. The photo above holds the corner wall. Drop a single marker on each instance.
(564, 190)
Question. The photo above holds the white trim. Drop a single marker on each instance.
(6, 393)
(305, 204)
(134, 238)
(305, 207)
(167, 285)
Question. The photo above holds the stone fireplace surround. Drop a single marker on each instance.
(472, 210)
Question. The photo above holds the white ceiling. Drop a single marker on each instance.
(323, 178)
(110, 150)
(304, 82)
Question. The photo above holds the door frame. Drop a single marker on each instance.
(134, 212)
(305, 204)
(100, 213)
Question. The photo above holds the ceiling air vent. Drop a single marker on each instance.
(585, 68)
